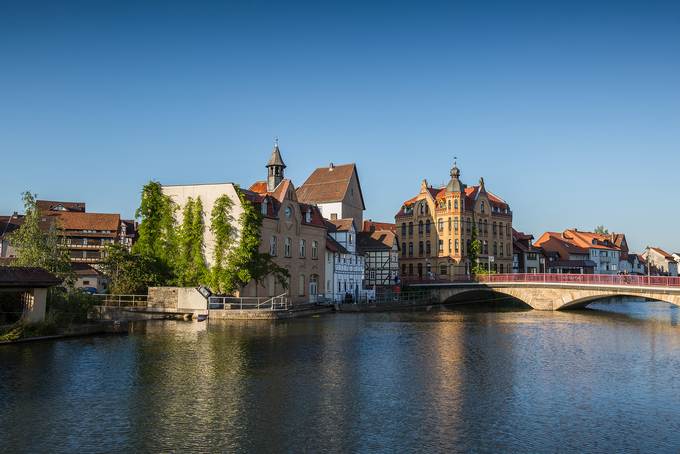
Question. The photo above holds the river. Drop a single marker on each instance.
(474, 380)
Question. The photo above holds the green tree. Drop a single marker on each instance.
(221, 226)
(246, 263)
(131, 273)
(38, 247)
(190, 267)
(601, 230)
(157, 237)
(474, 251)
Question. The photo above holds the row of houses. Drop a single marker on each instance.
(84, 234)
(575, 251)
(315, 231)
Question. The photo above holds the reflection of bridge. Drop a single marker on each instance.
(558, 291)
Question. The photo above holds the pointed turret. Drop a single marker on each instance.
(275, 168)
(455, 184)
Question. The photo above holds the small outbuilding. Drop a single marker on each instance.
(28, 287)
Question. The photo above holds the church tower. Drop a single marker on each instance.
(275, 168)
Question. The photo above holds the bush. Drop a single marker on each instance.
(68, 307)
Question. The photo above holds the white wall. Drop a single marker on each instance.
(208, 193)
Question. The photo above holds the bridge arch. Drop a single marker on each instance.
(583, 302)
(482, 295)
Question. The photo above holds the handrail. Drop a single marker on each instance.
(121, 300)
(588, 279)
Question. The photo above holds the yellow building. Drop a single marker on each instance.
(435, 230)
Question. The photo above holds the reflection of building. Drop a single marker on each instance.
(378, 243)
(660, 262)
(292, 232)
(526, 258)
(435, 229)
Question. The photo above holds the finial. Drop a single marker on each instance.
(276, 141)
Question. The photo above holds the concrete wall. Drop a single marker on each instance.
(190, 298)
(35, 302)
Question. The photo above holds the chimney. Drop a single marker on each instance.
(331, 167)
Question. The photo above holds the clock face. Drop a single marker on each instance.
(289, 212)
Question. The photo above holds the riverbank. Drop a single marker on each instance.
(89, 329)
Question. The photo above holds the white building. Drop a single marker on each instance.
(346, 265)
(661, 262)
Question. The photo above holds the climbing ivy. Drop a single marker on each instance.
(223, 231)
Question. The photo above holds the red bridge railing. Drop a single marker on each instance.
(592, 279)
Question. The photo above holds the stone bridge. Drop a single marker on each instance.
(556, 292)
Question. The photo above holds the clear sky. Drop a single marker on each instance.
(570, 111)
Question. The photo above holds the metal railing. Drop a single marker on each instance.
(269, 303)
(120, 300)
(590, 279)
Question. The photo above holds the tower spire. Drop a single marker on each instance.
(275, 167)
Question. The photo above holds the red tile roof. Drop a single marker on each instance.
(378, 240)
(71, 220)
(19, 277)
(328, 184)
(371, 225)
(52, 205)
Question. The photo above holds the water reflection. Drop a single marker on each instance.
(460, 379)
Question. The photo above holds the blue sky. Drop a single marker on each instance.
(570, 111)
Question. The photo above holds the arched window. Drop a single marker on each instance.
(440, 225)
(273, 246)
(420, 270)
(286, 247)
(448, 204)
(449, 224)
(501, 249)
(428, 248)
(410, 228)
(500, 227)
(495, 248)
(450, 245)
(410, 249)
(427, 226)
(481, 206)
(403, 249)
(420, 227)
(455, 225)
(421, 249)
(456, 246)
(455, 204)
(403, 229)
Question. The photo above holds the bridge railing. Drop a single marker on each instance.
(592, 279)
(120, 300)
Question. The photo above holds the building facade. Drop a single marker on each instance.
(293, 233)
(660, 262)
(526, 258)
(435, 230)
(336, 190)
(379, 245)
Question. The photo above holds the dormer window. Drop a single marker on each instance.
(308, 216)
(264, 207)
(481, 206)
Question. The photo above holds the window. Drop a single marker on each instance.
(403, 229)
(455, 225)
(448, 204)
(494, 227)
(495, 248)
(334, 216)
(86, 282)
(501, 268)
(308, 216)
(410, 249)
(301, 285)
(507, 249)
(440, 225)
(507, 229)
(303, 247)
(350, 238)
(481, 206)
(410, 228)
(288, 212)
(315, 249)
(420, 248)
(456, 246)
(273, 246)
(441, 246)
(501, 249)
(449, 245)
(531, 256)
(420, 228)
(286, 247)
(264, 207)
(403, 269)
(410, 269)
(427, 226)
(403, 249)
(420, 270)
(428, 249)
(485, 248)
(455, 204)
(450, 224)
(442, 269)
(500, 227)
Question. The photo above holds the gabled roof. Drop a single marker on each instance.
(340, 225)
(276, 159)
(591, 240)
(26, 277)
(334, 246)
(258, 194)
(371, 225)
(377, 240)
(660, 251)
(53, 205)
(329, 184)
(555, 242)
(71, 220)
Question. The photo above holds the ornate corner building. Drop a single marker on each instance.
(435, 229)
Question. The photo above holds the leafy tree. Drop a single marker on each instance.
(601, 230)
(223, 231)
(132, 273)
(38, 248)
(246, 263)
(157, 237)
(190, 266)
(474, 251)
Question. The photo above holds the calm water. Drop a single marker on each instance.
(605, 380)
